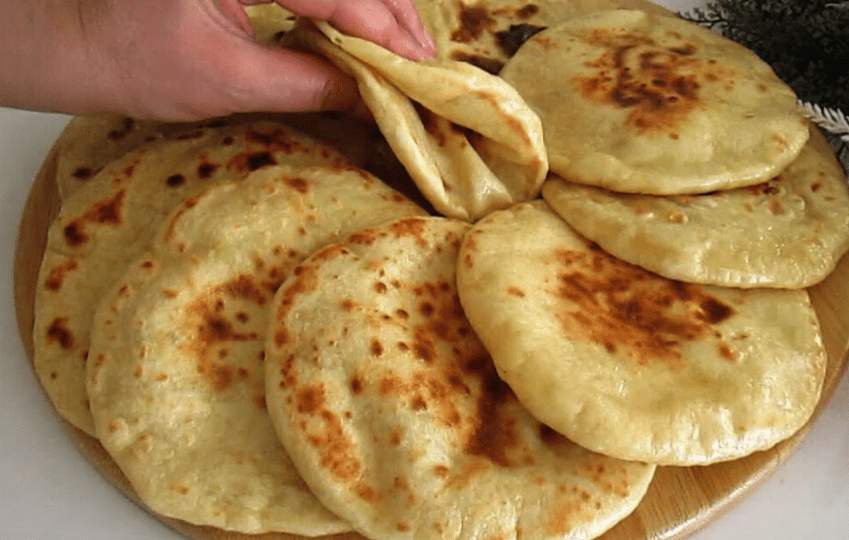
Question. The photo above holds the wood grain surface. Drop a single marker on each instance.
(679, 501)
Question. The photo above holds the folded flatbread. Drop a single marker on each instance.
(466, 138)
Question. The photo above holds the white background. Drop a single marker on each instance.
(48, 491)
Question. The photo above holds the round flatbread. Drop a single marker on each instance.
(111, 220)
(788, 232)
(645, 103)
(487, 33)
(175, 374)
(89, 143)
(630, 364)
(393, 413)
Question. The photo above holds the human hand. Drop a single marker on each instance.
(395, 24)
(182, 59)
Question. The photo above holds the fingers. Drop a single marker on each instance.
(237, 74)
(408, 16)
(395, 24)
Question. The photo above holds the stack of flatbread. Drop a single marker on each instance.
(571, 248)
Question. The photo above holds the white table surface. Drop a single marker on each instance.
(48, 491)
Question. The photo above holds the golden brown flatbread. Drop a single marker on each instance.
(645, 103)
(175, 373)
(788, 232)
(112, 219)
(630, 364)
(393, 413)
(466, 138)
(487, 33)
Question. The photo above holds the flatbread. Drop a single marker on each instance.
(175, 376)
(89, 143)
(392, 411)
(630, 364)
(645, 103)
(487, 33)
(466, 138)
(788, 232)
(111, 220)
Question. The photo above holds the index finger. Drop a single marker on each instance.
(394, 24)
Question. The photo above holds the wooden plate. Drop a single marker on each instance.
(679, 501)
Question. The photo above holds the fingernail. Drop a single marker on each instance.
(411, 48)
(414, 25)
(426, 41)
